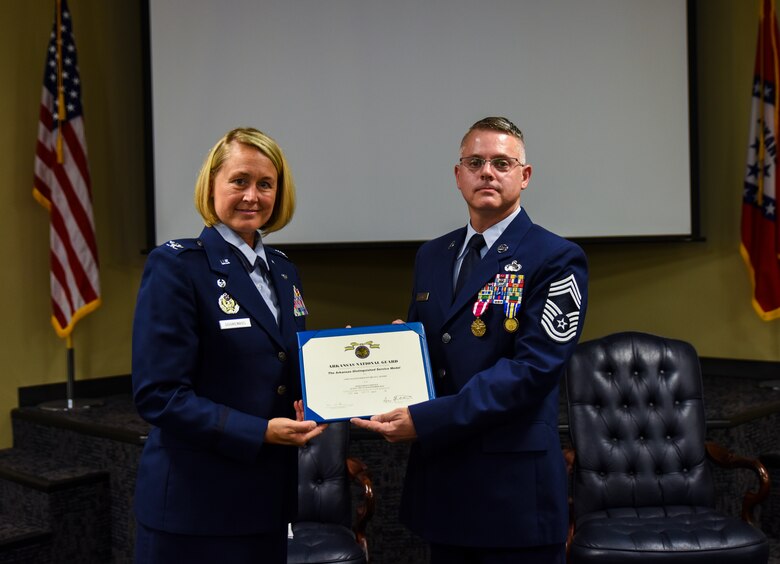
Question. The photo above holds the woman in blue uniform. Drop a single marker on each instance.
(215, 370)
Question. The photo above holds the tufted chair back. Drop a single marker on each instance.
(324, 532)
(323, 485)
(642, 486)
(637, 421)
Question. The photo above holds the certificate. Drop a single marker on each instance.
(362, 371)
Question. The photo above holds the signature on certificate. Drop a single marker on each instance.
(398, 398)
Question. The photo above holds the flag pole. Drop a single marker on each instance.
(70, 403)
(70, 383)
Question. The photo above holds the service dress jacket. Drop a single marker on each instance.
(487, 468)
(210, 368)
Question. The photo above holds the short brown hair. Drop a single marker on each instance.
(496, 123)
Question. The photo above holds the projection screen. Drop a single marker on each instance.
(369, 100)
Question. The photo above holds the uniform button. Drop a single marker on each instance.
(282, 356)
(281, 390)
(446, 338)
(442, 373)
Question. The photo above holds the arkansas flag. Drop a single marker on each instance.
(62, 184)
(760, 234)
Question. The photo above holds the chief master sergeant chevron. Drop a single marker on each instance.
(486, 481)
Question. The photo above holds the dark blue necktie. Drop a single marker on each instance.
(260, 263)
(470, 260)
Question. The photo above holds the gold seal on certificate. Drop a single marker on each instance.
(362, 371)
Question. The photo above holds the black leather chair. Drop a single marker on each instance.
(324, 531)
(642, 487)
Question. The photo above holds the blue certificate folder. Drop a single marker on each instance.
(362, 371)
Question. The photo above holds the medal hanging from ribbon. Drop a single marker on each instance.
(512, 299)
(485, 296)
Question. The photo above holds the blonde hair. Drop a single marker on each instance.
(284, 206)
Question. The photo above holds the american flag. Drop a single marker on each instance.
(62, 183)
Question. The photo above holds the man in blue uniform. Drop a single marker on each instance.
(502, 301)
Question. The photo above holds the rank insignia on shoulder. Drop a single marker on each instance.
(561, 315)
(276, 251)
(175, 245)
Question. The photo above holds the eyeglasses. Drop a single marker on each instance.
(500, 164)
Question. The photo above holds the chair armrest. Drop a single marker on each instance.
(727, 459)
(569, 454)
(359, 474)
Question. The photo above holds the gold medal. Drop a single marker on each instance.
(478, 327)
(511, 324)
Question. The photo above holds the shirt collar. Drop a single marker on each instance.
(244, 250)
(491, 234)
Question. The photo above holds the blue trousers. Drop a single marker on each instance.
(159, 547)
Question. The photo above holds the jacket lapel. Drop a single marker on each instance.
(282, 277)
(444, 262)
(500, 254)
(239, 285)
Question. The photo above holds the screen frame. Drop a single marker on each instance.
(695, 235)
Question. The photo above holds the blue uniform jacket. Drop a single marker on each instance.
(487, 468)
(210, 368)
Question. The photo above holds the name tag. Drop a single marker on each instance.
(234, 323)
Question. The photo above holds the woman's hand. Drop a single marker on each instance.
(298, 405)
(284, 431)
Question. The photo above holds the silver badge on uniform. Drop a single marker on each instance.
(513, 266)
(228, 304)
(224, 261)
(174, 245)
(502, 248)
(221, 282)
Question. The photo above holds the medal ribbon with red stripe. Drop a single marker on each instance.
(484, 297)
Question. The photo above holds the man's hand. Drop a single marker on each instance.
(395, 426)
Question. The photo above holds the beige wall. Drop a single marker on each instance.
(108, 42)
(694, 291)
